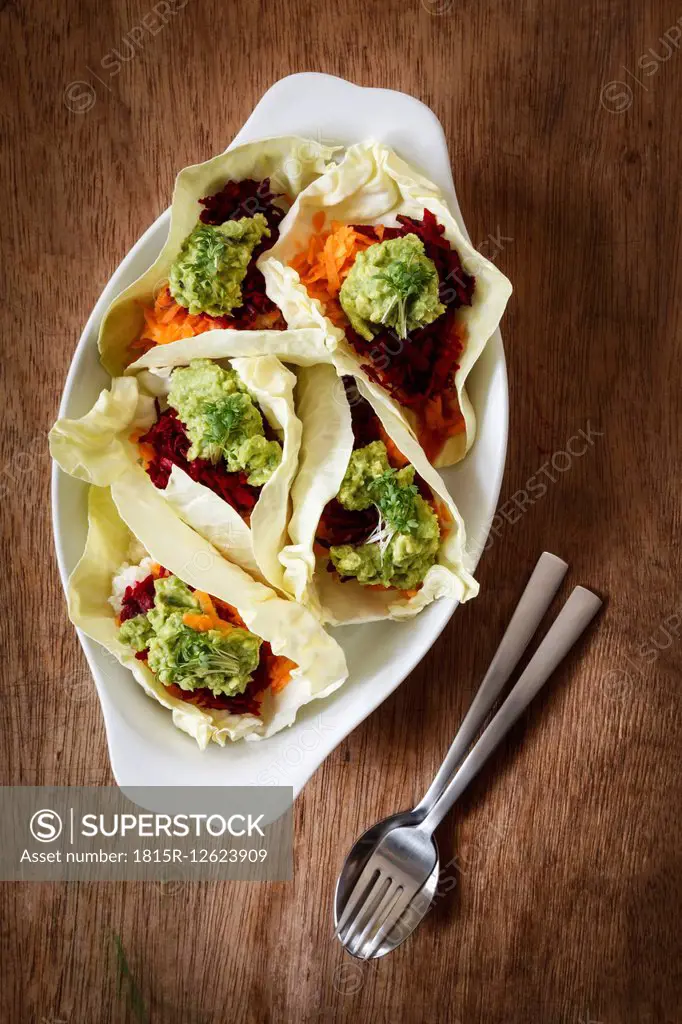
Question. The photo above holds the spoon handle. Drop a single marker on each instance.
(573, 618)
(535, 600)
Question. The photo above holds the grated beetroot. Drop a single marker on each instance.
(244, 199)
(339, 525)
(448, 263)
(140, 597)
(168, 438)
(364, 421)
(255, 304)
(422, 365)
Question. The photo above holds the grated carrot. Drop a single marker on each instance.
(195, 620)
(208, 618)
(280, 672)
(167, 321)
(325, 262)
(381, 586)
(298, 262)
(205, 602)
(147, 453)
(330, 258)
(313, 249)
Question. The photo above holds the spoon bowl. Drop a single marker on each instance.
(354, 864)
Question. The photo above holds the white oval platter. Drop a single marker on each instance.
(145, 748)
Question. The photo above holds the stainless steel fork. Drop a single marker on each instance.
(405, 856)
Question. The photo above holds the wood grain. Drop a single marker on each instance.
(565, 857)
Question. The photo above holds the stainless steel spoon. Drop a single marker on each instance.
(535, 600)
(404, 859)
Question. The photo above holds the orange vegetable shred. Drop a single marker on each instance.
(208, 618)
(326, 260)
(279, 672)
(166, 321)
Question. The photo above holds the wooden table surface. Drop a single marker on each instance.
(564, 860)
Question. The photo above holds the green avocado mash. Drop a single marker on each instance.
(405, 544)
(367, 477)
(207, 275)
(220, 660)
(222, 419)
(392, 284)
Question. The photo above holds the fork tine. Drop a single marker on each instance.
(367, 911)
(355, 944)
(366, 882)
(390, 921)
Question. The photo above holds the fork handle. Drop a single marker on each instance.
(535, 600)
(573, 618)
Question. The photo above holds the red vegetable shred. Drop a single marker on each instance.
(170, 443)
(244, 199)
(139, 597)
(339, 525)
(423, 365)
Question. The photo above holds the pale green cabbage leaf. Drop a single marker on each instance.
(326, 447)
(122, 519)
(97, 449)
(290, 162)
(372, 185)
